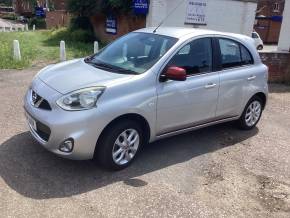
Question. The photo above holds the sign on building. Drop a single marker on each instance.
(111, 25)
(141, 6)
(39, 12)
(196, 12)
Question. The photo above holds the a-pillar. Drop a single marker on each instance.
(284, 39)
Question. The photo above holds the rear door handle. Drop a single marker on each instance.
(210, 86)
(251, 78)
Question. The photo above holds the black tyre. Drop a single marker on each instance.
(119, 145)
(252, 114)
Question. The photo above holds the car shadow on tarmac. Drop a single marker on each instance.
(33, 172)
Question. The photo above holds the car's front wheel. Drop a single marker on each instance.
(119, 145)
(252, 113)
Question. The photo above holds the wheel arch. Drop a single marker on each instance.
(262, 96)
(133, 117)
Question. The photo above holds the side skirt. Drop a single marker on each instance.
(177, 132)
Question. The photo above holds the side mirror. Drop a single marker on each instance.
(174, 73)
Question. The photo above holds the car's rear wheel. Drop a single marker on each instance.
(119, 145)
(252, 114)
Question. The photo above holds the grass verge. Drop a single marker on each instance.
(42, 46)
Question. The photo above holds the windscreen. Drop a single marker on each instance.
(135, 52)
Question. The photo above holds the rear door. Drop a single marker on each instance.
(237, 75)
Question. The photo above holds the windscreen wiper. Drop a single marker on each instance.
(98, 65)
(88, 59)
(112, 68)
(126, 71)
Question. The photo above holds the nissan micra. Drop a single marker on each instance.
(145, 86)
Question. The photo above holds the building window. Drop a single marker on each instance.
(276, 7)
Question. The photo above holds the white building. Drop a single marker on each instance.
(284, 40)
(236, 16)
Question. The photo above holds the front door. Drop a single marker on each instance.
(183, 104)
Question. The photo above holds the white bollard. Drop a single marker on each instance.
(4, 29)
(16, 51)
(33, 27)
(62, 51)
(26, 27)
(22, 28)
(11, 29)
(96, 47)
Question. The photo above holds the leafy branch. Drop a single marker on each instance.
(87, 8)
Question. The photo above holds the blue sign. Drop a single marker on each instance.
(141, 6)
(111, 25)
(277, 18)
(39, 12)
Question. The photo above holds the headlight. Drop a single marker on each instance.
(82, 99)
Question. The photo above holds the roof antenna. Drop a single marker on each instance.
(162, 21)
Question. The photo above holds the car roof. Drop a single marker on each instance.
(188, 33)
(180, 32)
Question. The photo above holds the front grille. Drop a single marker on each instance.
(45, 105)
(43, 131)
(40, 130)
(39, 102)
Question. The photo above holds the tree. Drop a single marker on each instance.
(6, 2)
(83, 8)
(116, 6)
(87, 8)
(32, 2)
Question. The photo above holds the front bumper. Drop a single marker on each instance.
(84, 127)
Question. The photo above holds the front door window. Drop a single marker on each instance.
(195, 57)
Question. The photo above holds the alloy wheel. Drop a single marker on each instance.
(253, 113)
(126, 146)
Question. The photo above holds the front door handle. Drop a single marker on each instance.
(251, 78)
(210, 86)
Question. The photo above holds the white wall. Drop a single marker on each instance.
(222, 15)
(284, 40)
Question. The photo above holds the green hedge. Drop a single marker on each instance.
(38, 22)
(10, 16)
(78, 35)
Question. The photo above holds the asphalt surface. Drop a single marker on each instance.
(215, 172)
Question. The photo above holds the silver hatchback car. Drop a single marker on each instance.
(145, 86)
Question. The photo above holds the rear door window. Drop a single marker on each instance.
(230, 53)
(234, 54)
(246, 56)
